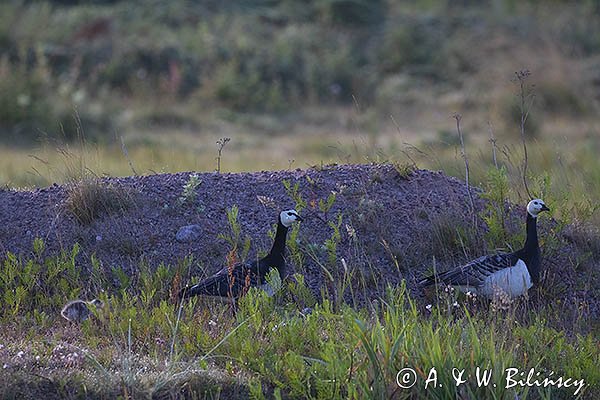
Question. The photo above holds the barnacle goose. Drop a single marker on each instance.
(79, 310)
(512, 273)
(234, 282)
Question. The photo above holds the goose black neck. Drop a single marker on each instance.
(531, 250)
(279, 243)
(531, 243)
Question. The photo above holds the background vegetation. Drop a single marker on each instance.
(295, 84)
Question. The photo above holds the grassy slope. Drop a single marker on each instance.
(144, 345)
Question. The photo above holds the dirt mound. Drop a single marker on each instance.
(385, 224)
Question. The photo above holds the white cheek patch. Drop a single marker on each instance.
(286, 219)
(534, 207)
(532, 210)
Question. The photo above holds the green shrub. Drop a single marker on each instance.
(40, 284)
(409, 43)
(351, 12)
(511, 115)
(24, 106)
(495, 214)
(557, 98)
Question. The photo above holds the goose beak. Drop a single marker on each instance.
(299, 218)
(544, 208)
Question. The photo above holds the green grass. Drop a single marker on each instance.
(144, 344)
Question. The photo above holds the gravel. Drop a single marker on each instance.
(188, 233)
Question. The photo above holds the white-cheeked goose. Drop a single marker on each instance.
(512, 273)
(235, 281)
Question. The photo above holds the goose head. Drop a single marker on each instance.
(536, 206)
(288, 217)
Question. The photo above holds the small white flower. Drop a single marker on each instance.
(20, 354)
(5, 366)
(1, 346)
(455, 304)
(429, 307)
(212, 323)
(37, 358)
(351, 231)
(449, 289)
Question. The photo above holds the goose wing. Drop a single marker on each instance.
(473, 273)
(227, 282)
